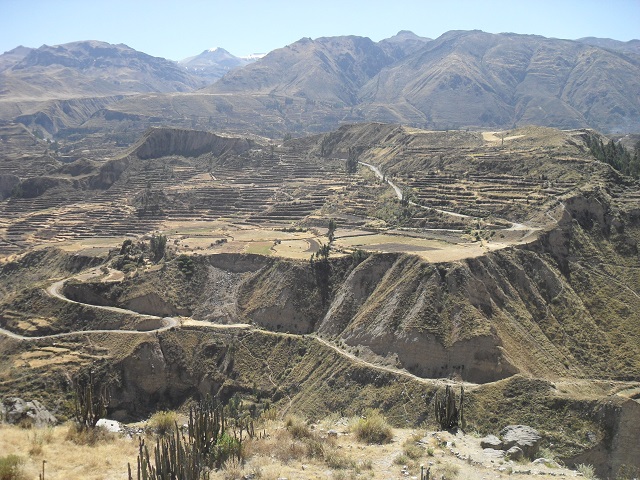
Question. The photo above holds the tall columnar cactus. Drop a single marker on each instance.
(448, 414)
(90, 402)
(211, 439)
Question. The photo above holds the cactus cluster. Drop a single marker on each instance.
(448, 414)
(214, 435)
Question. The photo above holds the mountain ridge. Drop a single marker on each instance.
(462, 79)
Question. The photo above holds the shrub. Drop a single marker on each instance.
(587, 471)
(11, 467)
(448, 471)
(372, 427)
(297, 427)
(414, 452)
(401, 459)
(163, 423)
(88, 436)
(315, 447)
(337, 460)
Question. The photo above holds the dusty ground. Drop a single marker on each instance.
(281, 456)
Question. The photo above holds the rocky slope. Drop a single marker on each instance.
(52, 87)
(90, 68)
(461, 79)
(480, 79)
(164, 142)
(328, 69)
(552, 308)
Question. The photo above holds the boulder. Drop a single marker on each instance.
(491, 441)
(547, 462)
(514, 453)
(493, 454)
(522, 436)
(19, 411)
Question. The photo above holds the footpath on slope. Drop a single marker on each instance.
(54, 290)
(514, 226)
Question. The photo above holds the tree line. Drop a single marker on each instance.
(617, 156)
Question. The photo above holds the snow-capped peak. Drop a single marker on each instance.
(214, 49)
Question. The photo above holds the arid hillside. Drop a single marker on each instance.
(463, 79)
(366, 267)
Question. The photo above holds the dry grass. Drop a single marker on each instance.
(311, 453)
(66, 459)
(372, 427)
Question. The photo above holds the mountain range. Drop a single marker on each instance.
(215, 63)
(88, 68)
(463, 79)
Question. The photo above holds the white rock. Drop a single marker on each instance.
(109, 425)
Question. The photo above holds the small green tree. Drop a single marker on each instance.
(332, 230)
(158, 246)
(352, 161)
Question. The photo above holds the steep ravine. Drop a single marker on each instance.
(566, 305)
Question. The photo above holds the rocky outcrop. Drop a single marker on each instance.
(17, 411)
(109, 173)
(491, 441)
(154, 304)
(162, 142)
(517, 441)
(36, 186)
(522, 437)
(617, 452)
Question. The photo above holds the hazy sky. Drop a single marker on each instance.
(178, 29)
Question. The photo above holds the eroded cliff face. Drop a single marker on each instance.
(163, 142)
(565, 305)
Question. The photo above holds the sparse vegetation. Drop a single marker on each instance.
(372, 427)
(587, 471)
(11, 468)
(163, 423)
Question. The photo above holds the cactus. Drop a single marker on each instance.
(211, 440)
(448, 414)
(90, 402)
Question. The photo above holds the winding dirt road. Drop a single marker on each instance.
(54, 290)
(514, 226)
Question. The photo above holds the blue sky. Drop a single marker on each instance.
(178, 29)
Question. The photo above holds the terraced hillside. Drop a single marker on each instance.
(509, 264)
(473, 190)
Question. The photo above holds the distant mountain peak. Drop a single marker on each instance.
(219, 50)
(213, 63)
